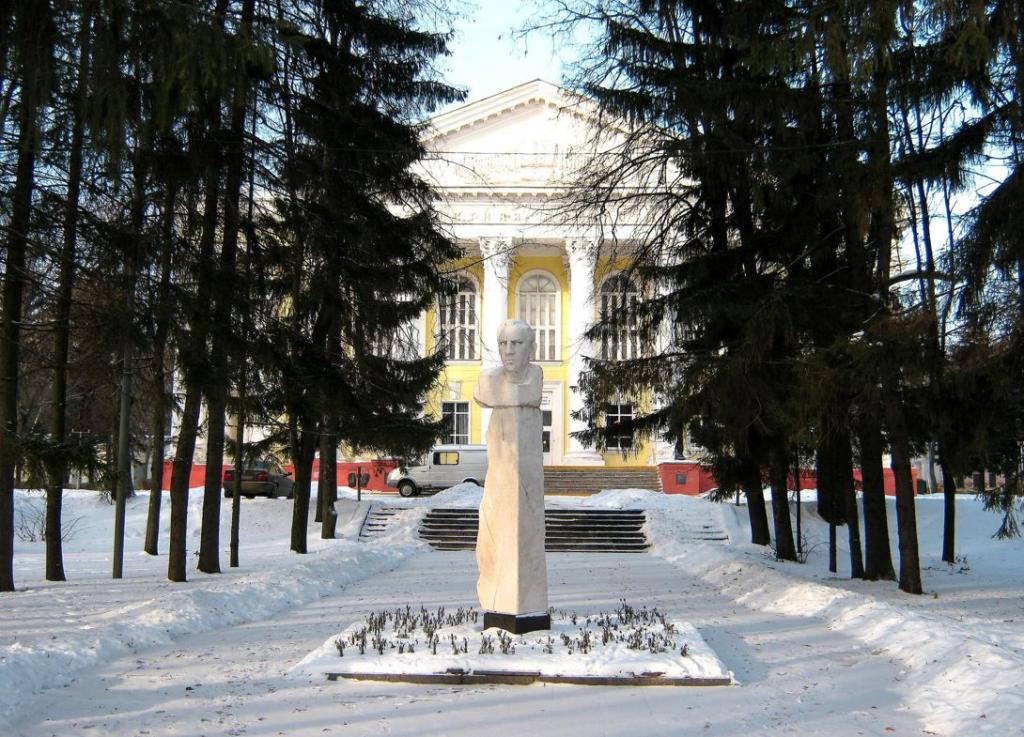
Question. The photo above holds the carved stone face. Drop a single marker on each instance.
(515, 346)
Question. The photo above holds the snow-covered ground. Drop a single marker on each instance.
(812, 653)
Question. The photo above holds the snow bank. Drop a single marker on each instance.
(954, 680)
(205, 603)
(460, 495)
(633, 498)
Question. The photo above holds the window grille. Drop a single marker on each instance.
(459, 326)
(539, 306)
(619, 338)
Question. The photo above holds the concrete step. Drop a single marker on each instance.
(565, 530)
(578, 480)
(554, 547)
(595, 515)
(377, 520)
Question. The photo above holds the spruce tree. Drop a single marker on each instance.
(358, 230)
(704, 91)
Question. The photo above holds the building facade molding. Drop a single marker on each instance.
(501, 166)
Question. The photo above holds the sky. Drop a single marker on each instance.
(487, 59)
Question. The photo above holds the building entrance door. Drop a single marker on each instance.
(551, 414)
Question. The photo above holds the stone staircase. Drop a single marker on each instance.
(377, 520)
(567, 530)
(581, 480)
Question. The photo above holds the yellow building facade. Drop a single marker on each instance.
(502, 166)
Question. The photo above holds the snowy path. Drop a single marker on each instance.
(797, 676)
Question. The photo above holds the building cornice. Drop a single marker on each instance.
(535, 92)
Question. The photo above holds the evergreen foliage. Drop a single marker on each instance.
(229, 185)
(774, 154)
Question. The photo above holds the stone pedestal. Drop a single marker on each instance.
(510, 538)
(517, 624)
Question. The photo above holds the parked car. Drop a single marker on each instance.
(444, 466)
(264, 478)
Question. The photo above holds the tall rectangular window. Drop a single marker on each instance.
(538, 305)
(614, 414)
(458, 324)
(620, 338)
(456, 418)
(399, 341)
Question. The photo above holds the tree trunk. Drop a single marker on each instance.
(830, 501)
(62, 319)
(115, 424)
(161, 400)
(906, 519)
(200, 330)
(209, 548)
(30, 30)
(209, 535)
(831, 507)
(236, 491)
(756, 509)
(241, 362)
(878, 556)
(778, 472)
(849, 497)
(125, 487)
(318, 504)
(949, 508)
(177, 556)
(158, 423)
(194, 358)
(124, 454)
(833, 566)
(328, 486)
(303, 461)
(933, 480)
(799, 506)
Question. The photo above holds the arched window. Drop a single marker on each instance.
(538, 305)
(458, 327)
(402, 341)
(619, 338)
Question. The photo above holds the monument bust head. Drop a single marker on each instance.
(516, 382)
(515, 347)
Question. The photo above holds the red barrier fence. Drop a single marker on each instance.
(376, 470)
(680, 477)
(690, 477)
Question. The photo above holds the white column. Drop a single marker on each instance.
(582, 253)
(497, 255)
(662, 451)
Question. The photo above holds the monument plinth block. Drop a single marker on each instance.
(517, 624)
(510, 537)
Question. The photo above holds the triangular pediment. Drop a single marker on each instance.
(506, 106)
(525, 137)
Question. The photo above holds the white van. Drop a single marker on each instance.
(442, 467)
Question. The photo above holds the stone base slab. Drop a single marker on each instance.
(520, 678)
(517, 624)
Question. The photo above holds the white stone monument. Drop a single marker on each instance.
(513, 582)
